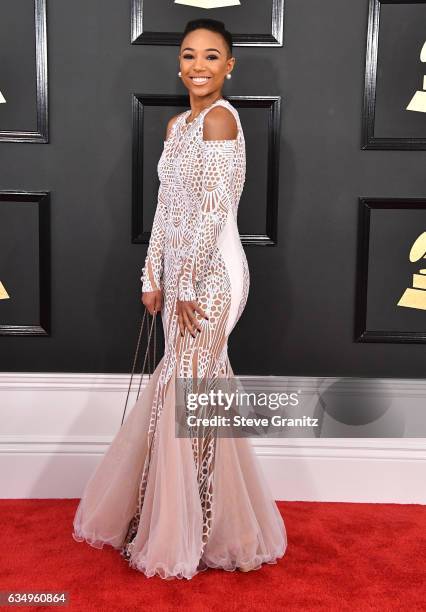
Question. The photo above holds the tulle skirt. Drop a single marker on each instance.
(247, 529)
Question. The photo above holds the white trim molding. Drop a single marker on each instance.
(56, 427)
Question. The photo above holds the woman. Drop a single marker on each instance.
(175, 506)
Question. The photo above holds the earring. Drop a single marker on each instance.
(229, 76)
(179, 73)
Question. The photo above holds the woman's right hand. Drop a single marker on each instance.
(153, 300)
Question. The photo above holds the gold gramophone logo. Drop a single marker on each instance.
(418, 101)
(415, 296)
(3, 293)
(209, 4)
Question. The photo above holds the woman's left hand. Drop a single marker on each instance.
(186, 317)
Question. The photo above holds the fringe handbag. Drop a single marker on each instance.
(147, 355)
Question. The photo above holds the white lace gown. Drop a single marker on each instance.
(177, 506)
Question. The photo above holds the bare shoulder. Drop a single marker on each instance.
(219, 124)
(170, 124)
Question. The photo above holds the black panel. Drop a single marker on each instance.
(25, 263)
(393, 75)
(24, 71)
(391, 289)
(261, 188)
(152, 21)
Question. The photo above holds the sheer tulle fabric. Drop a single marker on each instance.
(247, 528)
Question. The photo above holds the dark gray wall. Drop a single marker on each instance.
(300, 314)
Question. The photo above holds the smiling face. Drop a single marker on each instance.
(204, 62)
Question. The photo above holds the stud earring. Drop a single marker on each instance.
(179, 73)
(229, 76)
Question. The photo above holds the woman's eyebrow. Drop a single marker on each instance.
(191, 49)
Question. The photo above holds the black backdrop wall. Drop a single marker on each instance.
(299, 319)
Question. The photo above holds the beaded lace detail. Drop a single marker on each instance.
(210, 178)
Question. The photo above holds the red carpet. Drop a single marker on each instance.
(340, 556)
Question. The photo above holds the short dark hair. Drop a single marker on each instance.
(213, 25)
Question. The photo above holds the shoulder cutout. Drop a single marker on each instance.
(219, 124)
(170, 125)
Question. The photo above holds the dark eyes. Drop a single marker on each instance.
(189, 56)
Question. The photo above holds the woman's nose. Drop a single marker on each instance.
(199, 64)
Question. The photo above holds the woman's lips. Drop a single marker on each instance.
(199, 80)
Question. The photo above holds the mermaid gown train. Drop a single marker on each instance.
(176, 506)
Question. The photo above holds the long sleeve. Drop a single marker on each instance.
(153, 269)
(218, 161)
